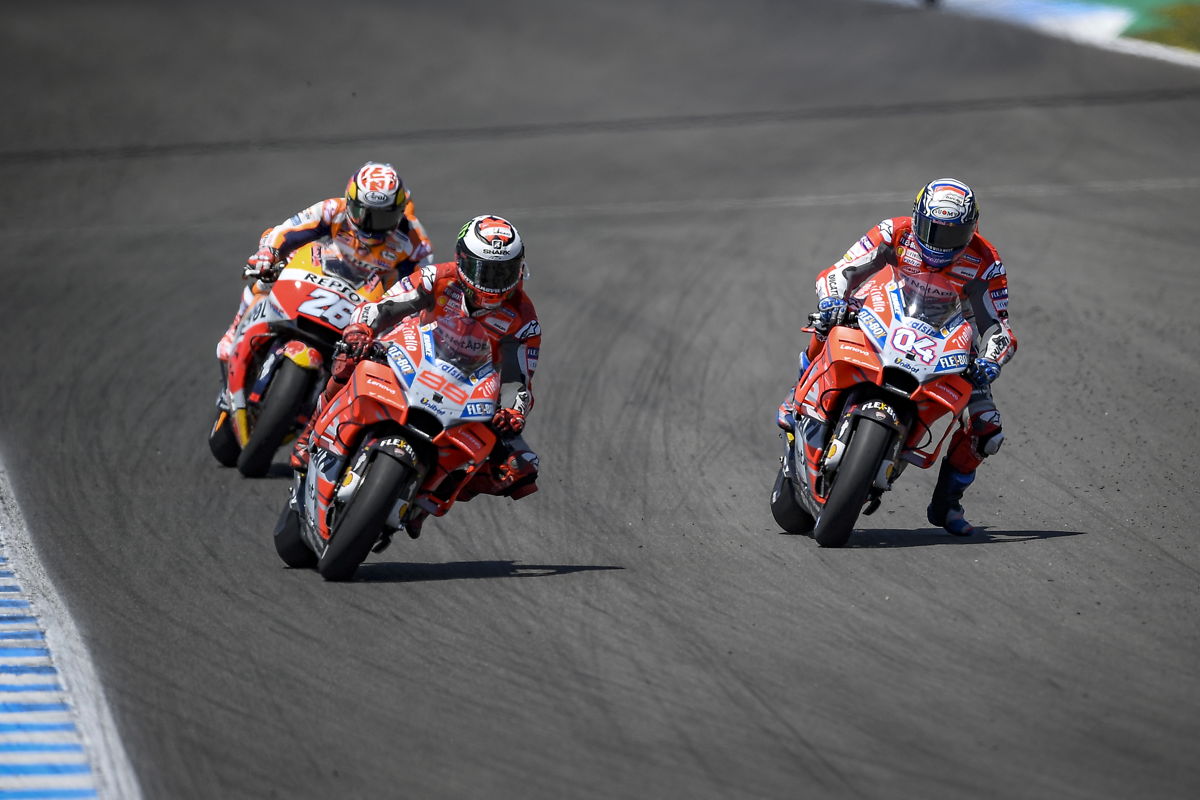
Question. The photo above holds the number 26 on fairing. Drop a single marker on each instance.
(906, 340)
(330, 305)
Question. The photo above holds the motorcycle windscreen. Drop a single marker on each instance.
(463, 342)
(931, 297)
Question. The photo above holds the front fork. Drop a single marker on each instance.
(892, 465)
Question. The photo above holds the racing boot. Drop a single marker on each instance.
(945, 510)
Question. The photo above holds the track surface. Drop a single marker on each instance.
(639, 628)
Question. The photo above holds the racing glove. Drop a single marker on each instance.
(984, 371)
(264, 265)
(358, 338)
(508, 420)
(831, 311)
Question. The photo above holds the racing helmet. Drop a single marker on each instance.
(491, 260)
(375, 200)
(945, 216)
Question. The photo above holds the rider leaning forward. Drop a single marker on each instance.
(941, 236)
(373, 226)
(485, 282)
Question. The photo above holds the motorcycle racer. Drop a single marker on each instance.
(486, 282)
(941, 236)
(373, 226)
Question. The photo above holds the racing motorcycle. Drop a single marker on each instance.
(409, 430)
(886, 391)
(282, 345)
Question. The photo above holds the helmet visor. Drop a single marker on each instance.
(371, 219)
(940, 236)
(490, 276)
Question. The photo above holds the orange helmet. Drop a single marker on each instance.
(375, 200)
(491, 260)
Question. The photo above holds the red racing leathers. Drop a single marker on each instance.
(516, 335)
(979, 275)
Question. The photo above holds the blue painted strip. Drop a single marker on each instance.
(30, 687)
(31, 727)
(7, 603)
(10, 635)
(6, 573)
(44, 769)
(45, 794)
(11, 652)
(27, 669)
(35, 747)
(16, 619)
(8, 707)
(10, 588)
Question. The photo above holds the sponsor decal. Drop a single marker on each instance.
(909, 257)
(479, 409)
(529, 330)
(886, 230)
(964, 272)
(994, 271)
(971, 259)
(874, 326)
(956, 361)
(428, 276)
(880, 408)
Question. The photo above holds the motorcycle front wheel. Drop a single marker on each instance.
(221, 440)
(359, 526)
(276, 417)
(853, 480)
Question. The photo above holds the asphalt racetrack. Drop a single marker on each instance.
(639, 628)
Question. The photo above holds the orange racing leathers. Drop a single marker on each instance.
(516, 336)
(393, 256)
(979, 275)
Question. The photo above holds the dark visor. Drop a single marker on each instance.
(373, 220)
(943, 237)
(490, 276)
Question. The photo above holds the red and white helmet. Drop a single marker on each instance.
(375, 200)
(491, 259)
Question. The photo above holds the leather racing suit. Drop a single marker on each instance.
(516, 334)
(979, 275)
(395, 255)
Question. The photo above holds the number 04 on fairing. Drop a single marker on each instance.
(886, 390)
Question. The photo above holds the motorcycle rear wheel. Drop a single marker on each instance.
(359, 526)
(288, 542)
(791, 516)
(279, 408)
(857, 472)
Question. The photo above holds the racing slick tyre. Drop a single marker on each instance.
(221, 440)
(288, 543)
(276, 418)
(786, 509)
(359, 526)
(853, 480)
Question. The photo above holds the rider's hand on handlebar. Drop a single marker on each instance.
(984, 371)
(508, 420)
(358, 338)
(264, 265)
(831, 311)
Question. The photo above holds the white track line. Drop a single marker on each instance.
(56, 731)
